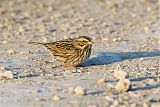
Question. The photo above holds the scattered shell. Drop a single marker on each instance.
(123, 85)
(79, 91)
(101, 80)
(11, 51)
(56, 98)
(119, 73)
(6, 74)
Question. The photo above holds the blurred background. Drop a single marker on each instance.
(49, 20)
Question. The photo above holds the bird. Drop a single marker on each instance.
(70, 52)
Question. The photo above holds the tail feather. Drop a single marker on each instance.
(50, 46)
(35, 43)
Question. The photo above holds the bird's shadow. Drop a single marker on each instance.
(25, 76)
(102, 58)
(146, 86)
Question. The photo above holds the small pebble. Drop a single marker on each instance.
(109, 98)
(81, 25)
(115, 104)
(45, 39)
(107, 94)
(56, 98)
(141, 59)
(6, 74)
(79, 71)
(91, 19)
(3, 68)
(116, 39)
(123, 85)
(145, 104)
(79, 91)
(110, 86)
(10, 51)
(149, 9)
(4, 42)
(146, 29)
(21, 52)
(20, 29)
(89, 72)
(24, 52)
(105, 39)
(68, 73)
(119, 73)
(70, 90)
(101, 80)
(133, 105)
(155, 105)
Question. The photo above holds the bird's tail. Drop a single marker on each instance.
(35, 43)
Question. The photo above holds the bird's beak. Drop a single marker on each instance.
(90, 43)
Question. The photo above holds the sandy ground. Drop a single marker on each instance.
(125, 32)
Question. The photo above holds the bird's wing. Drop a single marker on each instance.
(60, 48)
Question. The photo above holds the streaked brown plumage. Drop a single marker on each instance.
(70, 52)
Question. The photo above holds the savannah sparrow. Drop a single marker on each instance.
(70, 52)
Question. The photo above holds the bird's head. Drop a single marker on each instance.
(82, 42)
